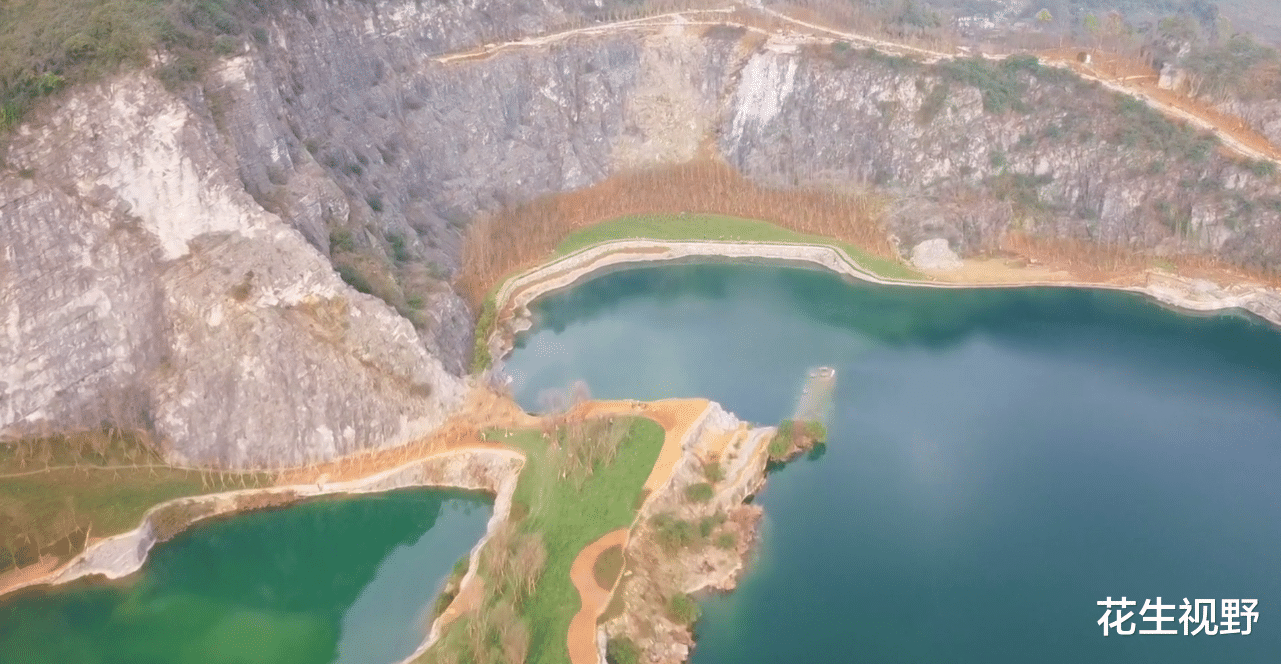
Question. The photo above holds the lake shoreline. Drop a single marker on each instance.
(488, 470)
(515, 295)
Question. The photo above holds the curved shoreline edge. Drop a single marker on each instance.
(489, 470)
(512, 300)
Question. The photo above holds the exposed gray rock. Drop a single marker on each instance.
(171, 255)
(935, 255)
(232, 334)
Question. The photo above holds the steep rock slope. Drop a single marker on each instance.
(141, 281)
(170, 257)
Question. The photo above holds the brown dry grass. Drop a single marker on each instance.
(1081, 261)
(521, 237)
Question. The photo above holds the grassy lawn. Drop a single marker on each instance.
(720, 228)
(570, 520)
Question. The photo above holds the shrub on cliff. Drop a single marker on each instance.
(673, 534)
(622, 650)
(480, 359)
(712, 471)
(699, 493)
(683, 610)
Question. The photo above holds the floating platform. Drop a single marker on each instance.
(815, 403)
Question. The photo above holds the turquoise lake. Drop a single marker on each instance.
(348, 580)
(999, 460)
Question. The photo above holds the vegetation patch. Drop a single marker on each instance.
(609, 564)
(452, 585)
(713, 471)
(48, 44)
(480, 358)
(674, 534)
(682, 609)
(95, 483)
(697, 200)
(794, 437)
(622, 650)
(176, 517)
(699, 493)
(719, 228)
(1141, 127)
(575, 492)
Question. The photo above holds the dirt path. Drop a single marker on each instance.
(676, 416)
(593, 598)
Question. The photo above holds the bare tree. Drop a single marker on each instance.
(531, 555)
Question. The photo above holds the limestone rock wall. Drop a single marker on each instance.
(173, 254)
(139, 274)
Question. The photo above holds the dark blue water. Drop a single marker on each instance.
(999, 460)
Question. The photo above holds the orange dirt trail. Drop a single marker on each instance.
(675, 416)
(593, 598)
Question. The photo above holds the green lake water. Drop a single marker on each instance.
(347, 580)
(999, 460)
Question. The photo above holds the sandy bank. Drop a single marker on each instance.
(514, 297)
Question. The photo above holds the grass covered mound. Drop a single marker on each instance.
(568, 496)
(609, 564)
(720, 228)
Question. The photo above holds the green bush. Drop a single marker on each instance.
(713, 472)
(355, 279)
(1000, 83)
(622, 650)
(726, 541)
(341, 239)
(481, 359)
(699, 493)
(817, 431)
(709, 523)
(673, 534)
(1261, 167)
(683, 610)
(779, 445)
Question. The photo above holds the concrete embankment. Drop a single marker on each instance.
(514, 297)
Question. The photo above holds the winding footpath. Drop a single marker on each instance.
(679, 418)
(593, 598)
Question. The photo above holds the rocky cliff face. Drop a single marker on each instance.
(173, 253)
(139, 276)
